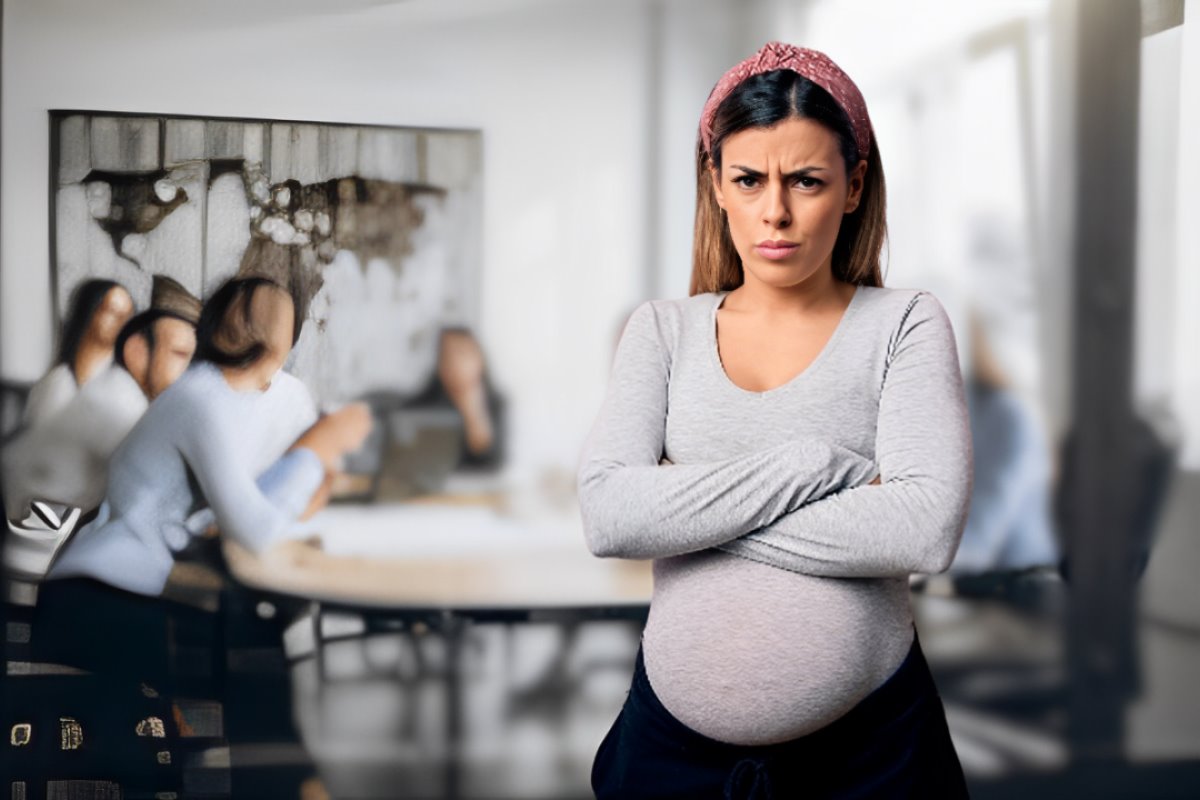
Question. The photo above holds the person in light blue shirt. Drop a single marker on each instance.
(234, 442)
(206, 440)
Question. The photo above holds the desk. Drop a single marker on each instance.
(437, 557)
(446, 565)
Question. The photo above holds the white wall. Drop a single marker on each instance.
(698, 41)
(1186, 399)
(558, 89)
(1155, 323)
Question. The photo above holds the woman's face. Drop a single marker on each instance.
(784, 190)
(110, 316)
(274, 314)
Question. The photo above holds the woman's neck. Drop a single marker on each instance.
(90, 359)
(813, 295)
(244, 379)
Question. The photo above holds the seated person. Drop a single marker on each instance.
(1009, 527)
(206, 440)
(99, 308)
(64, 459)
(462, 382)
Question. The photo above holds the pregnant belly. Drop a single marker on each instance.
(750, 654)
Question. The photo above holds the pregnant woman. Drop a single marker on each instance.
(788, 444)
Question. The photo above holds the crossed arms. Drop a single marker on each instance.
(803, 505)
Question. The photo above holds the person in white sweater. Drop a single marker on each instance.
(98, 310)
(63, 460)
(788, 444)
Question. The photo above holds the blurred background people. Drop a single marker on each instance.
(461, 370)
(98, 310)
(1009, 526)
(63, 458)
(206, 442)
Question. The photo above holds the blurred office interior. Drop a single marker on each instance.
(1040, 185)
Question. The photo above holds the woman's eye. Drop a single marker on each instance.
(746, 181)
(808, 182)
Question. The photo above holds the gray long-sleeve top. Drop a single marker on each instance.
(781, 592)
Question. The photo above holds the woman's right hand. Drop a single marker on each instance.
(352, 423)
(337, 433)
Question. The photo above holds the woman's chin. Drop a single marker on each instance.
(781, 274)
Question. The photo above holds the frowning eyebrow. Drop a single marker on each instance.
(799, 173)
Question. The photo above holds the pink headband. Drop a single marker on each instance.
(811, 64)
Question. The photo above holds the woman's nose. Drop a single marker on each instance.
(775, 211)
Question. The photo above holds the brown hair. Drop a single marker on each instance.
(762, 101)
(86, 300)
(228, 334)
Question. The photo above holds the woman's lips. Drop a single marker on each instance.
(775, 250)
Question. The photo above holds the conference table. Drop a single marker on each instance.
(450, 554)
(445, 562)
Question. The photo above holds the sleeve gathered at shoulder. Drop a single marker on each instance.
(301, 407)
(633, 507)
(912, 522)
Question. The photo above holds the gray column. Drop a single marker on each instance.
(1100, 482)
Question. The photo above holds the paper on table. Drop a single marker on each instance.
(398, 530)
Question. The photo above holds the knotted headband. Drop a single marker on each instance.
(811, 64)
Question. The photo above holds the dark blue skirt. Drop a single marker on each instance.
(893, 744)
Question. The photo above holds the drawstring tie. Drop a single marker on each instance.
(748, 780)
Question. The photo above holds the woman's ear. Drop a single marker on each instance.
(855, 182)
(715, 174)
